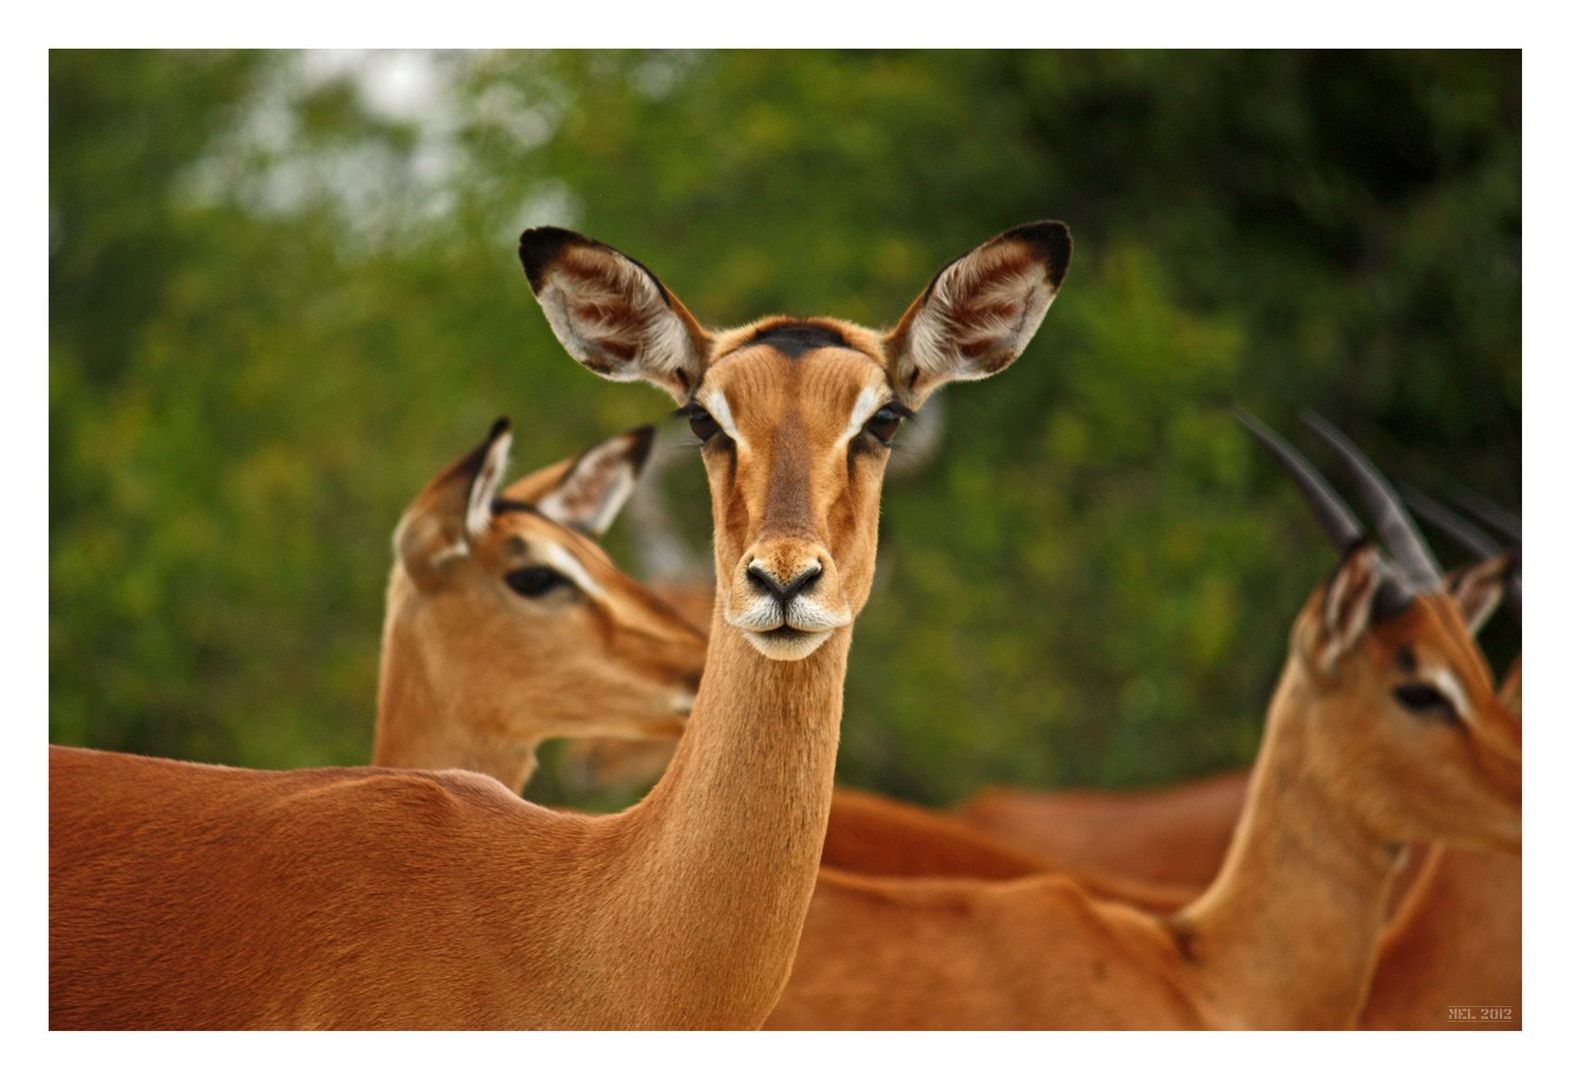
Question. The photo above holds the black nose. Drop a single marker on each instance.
(784, 593)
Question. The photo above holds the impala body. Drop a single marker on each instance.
(1174, 835)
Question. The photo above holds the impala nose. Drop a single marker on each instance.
(767, 582)
(786, 596)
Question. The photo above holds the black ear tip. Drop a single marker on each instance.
(471, 463)
(643, 440)
(539, 247)
(1050, 240)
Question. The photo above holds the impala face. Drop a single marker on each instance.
(1405, 719)
(795, 422)
(503, 610)
(1387, 704)
(796, 416)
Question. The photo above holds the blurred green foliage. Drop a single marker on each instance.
(284, 293)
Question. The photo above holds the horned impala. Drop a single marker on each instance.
(1457, 940)
(507, 624)
(1384, 728)
(1176, 834)
(1455, 933)
(194, 896)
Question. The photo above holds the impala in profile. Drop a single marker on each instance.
(508, 625)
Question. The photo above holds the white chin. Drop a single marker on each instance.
(798, 645)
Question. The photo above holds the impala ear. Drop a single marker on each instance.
(587, 492)
(454, 508)
(611, 314)
(1339, 618)
(1478, 589)
(980, 312)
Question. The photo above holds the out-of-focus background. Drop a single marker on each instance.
(284, 293)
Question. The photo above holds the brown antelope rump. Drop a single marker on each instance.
(876, 835)
(195, 896)
(1175, 835)
(1384, 729)
(508, 625)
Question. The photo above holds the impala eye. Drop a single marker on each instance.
(704, 426)
(1425, 700)
(885, 422)
(534, 581)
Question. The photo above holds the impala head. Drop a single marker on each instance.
(507, 624)
(1476, 540)
(796, 416)
(1391, 705)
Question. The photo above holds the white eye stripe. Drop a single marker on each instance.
(557, 558)
(715, 404)
(1449, 686)
(867, 403)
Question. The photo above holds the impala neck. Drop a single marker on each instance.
(420, 725)
(1286, 936)
(727, 844)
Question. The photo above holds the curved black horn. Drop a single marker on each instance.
(1330, 511)
(1491, 513)
(1478, 543)
(1397, 532)
(1470, 537)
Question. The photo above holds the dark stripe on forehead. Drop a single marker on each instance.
(513, 506)
(795, 338)
(501, 505)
